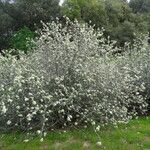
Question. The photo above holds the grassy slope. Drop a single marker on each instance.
(134, 136)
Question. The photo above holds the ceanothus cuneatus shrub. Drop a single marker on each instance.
(72, 79)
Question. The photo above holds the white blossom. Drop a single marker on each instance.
(26, 141)
(8, 122)
(4, 109)
(99, 143)
(41, 140)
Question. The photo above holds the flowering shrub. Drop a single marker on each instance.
(72, 79)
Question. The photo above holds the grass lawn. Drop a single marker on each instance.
(133, 136)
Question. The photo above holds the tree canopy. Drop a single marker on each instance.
(120, 19)
(19, 13)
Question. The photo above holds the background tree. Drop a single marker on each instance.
(121, 20)
(140, 6)
(86, 11)
(6, 26)
(33, 11)
(19, 13)
(118, 17)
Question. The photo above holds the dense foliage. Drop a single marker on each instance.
(120, 19)
(21, 40)
(19, 13)
(71, 79)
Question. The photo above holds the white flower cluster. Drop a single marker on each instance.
(72, 78)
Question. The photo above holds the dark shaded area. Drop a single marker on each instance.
(14, 16)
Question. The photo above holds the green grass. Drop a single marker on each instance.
(133, 136)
